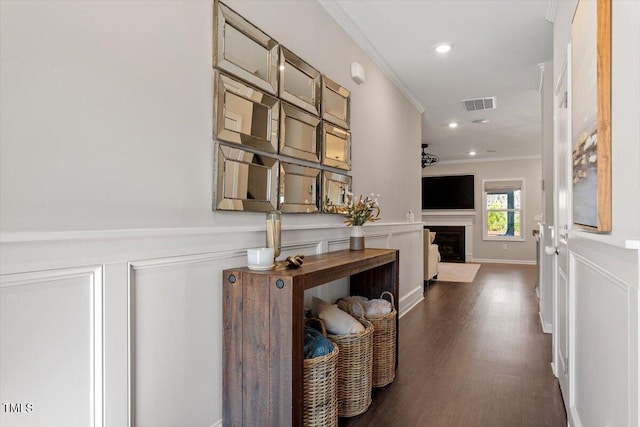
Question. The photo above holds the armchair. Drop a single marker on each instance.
(431, 255)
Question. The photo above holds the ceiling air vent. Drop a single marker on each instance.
(479, 104)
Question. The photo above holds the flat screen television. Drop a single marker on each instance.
(448, 192)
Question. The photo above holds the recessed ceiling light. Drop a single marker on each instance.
(472, 153)
(480, 121)
(453, 125)
(281, 68)
(443, 47)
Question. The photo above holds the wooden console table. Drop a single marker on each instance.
(263, 330)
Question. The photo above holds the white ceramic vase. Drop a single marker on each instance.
(356, 241)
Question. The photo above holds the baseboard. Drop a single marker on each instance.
(547, 328)
(410, 300)
(573, 420)
(504, 261)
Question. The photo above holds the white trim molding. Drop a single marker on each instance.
(409, 301)
(547, 328)
(94, 279)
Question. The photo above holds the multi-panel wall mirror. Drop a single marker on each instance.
(280, 125)
(245, 181)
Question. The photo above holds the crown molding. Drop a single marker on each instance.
(346, 23)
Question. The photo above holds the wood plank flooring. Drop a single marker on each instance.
(472, 354)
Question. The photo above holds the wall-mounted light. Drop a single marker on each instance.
(427, 158)
(453, 125)
(357, 73)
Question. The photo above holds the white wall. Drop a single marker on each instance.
(530, 171)
(105, 198)
(112, 129)
(604, 270)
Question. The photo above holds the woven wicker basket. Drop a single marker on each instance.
(384, 339)
(320, 386)
(384, 345)
(355, 361)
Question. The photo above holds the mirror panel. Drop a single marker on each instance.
(245, 181)
(336, 147)
(298, 133)
(298, 188)
(335, 187)
(336, 103)
(246, 53)
(299, 82)
(241, 49)
(244, 115)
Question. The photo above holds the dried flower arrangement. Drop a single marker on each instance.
(357, 212)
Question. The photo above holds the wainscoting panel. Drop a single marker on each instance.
(411, 279)
(562, 329)
(51, 361)
(603, 316)
(176, 339)
(137, 340)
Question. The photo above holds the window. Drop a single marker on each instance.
(503, 209)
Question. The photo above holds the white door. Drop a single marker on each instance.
(563, 183)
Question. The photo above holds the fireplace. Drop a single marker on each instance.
(450, 241)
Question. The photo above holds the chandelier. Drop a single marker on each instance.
(427, 158)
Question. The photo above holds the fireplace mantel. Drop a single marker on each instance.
(466, 218)
(440, 217)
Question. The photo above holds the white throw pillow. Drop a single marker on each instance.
(335, 320)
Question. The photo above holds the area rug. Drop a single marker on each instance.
(457, 272)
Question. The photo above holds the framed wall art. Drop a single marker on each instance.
(591, 115)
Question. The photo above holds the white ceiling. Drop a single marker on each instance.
(498, 45)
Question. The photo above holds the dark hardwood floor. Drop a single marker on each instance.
(472, 354)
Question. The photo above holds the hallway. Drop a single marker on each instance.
(472, 354)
